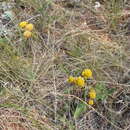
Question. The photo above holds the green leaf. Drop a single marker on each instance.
(63, 118)
(68, 90)
(3, 40)
(76, 52)
(101, 92)
(30, 75)
(111, 91)
(81, 107)
(64, 68)
(2, 91)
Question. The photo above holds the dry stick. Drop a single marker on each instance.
(116, 112)
(67, 95)
(107, 82)
(127, 127)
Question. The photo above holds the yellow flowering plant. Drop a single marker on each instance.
(92, 94)
(80, 82)
(28, 27)
(27, 34)
(90, 102)
(87, 73)
(86, 92)
(71, 79)
(23, 24)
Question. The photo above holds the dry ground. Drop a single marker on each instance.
(68, 37)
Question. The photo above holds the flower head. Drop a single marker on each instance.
(29, 27)
(87, 73)
(23, 24)
(90, 102)
(27, 34)
(80, 81)
(71, 79)
(92, 94)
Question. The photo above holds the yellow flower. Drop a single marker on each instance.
(80, 81)
(29, 27)
(27, 34)
(92, 94)
(23, 24)
(87, 73)
(90, 102)
(71, 79)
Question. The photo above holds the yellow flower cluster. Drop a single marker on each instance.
(90, 102)
(92, 96)
(71, 79)
(87, 73)
(28, 27)
(79, 81)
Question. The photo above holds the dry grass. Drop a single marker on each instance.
(68, 37)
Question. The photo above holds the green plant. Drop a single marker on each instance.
(102, 92)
